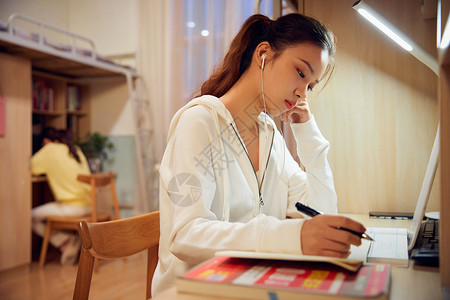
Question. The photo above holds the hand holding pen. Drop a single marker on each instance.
(309, 211)
(329, 235)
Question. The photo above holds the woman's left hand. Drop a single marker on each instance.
(300, 113)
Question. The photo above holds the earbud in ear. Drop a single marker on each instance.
(263, 60)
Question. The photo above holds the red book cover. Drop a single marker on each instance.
(280, 279)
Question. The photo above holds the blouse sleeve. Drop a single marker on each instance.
(39, 161)
(314, 186)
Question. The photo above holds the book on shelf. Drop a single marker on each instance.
(73, 98)
(256, 278)
(43, 96)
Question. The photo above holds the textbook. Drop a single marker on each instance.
(348, 264)
(254, 278)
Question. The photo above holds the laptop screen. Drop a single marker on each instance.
(424, 192)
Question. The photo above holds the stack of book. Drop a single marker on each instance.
(287, 277)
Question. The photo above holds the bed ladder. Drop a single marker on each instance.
(145, 186)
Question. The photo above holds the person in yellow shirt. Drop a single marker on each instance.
(61, 161)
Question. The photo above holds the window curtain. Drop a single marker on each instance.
(154, 62)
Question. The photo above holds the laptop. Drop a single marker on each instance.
(393, 245)
(424, 192)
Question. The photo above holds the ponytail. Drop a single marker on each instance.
(66, 138)
(286, 31)
(238, 58)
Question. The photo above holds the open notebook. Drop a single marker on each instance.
(392, 245)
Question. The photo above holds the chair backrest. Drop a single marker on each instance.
(96, 181)
(113, 240)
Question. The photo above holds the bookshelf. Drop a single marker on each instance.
(59, 102)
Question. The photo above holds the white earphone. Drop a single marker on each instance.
(264, 59)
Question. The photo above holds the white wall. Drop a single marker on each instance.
(112, 24)
(51, 11)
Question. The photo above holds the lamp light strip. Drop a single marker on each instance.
(385, 29)
(382, 24)
(445, 41)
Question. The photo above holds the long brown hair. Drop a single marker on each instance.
(286, 31)
(61, 136)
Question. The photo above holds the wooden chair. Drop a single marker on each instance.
(96, 180)
(114, 240)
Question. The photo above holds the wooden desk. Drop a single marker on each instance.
(414, 282)
(41, 192)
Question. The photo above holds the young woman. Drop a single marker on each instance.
(61, 162)
(228, 181)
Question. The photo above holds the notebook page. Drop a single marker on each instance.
(391, 231)
(360, 252)
(390, 246)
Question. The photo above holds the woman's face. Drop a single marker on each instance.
(291, 75)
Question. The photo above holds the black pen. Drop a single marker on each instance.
(312, 212)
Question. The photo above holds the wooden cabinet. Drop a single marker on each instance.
(15, 152)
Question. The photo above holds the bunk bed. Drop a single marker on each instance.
(70, 60)
(77, 60)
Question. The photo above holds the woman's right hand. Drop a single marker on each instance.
(321, 235)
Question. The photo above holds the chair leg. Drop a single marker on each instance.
(48, 229)
(84, 276)
(152, 261)
(95, 264)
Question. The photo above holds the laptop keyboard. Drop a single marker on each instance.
(426, 249)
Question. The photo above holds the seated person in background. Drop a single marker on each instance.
(61, 161)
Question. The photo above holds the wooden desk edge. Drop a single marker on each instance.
(38, 178)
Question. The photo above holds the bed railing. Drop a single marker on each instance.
(42, 40)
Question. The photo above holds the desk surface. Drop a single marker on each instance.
(414, 282)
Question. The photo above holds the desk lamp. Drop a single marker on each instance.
(392, 32)
(396, 35)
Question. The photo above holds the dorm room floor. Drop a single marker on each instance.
(115, 279)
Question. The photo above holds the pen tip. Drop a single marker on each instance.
(368, 237)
